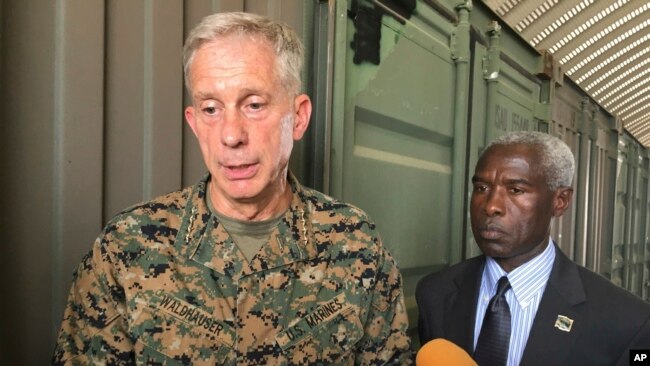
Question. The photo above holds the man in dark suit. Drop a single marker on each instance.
(555, 312)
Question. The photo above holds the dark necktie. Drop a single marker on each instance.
(494, 339)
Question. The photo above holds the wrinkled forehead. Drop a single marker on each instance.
(232, 53)
(512, 159)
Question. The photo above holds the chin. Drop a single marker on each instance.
(240, 190)
(494, 250)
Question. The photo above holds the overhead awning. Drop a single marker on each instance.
(603, 46)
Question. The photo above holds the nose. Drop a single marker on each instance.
(234, 129)
(494, 203)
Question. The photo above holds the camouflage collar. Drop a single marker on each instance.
(206, 242)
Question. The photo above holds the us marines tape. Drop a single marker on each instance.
(321, 315)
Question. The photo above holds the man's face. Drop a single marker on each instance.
(511, 205)
(244, 119)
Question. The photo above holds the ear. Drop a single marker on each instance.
(191, 119)
(302, 110)
(562, 200)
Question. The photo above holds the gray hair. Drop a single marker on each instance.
(557, 161)
(284, 41)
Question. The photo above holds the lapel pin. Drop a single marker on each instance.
(563, 323)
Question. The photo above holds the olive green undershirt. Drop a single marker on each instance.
(249, 236)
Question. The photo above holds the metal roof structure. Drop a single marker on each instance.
(602, 45)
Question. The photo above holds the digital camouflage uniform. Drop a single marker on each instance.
(164, 284)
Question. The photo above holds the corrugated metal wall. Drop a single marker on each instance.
(91, 121)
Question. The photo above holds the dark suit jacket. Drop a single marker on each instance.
(607, 320)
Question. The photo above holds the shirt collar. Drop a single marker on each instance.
(526, 280)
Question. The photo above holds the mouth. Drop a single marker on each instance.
(490, 231)
(239, 171)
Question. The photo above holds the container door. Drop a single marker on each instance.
(630, 226)
(642, 253)
(392, 130)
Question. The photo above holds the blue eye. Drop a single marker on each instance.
(255, 106)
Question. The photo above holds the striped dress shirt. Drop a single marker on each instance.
(528, 282)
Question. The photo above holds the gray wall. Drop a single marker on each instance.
(91, 121)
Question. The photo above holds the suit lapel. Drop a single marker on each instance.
(459, 327)
(551, 339)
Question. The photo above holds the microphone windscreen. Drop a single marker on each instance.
(439, 352)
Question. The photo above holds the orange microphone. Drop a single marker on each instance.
(439, 352)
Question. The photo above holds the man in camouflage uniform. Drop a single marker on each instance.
(246, 267)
